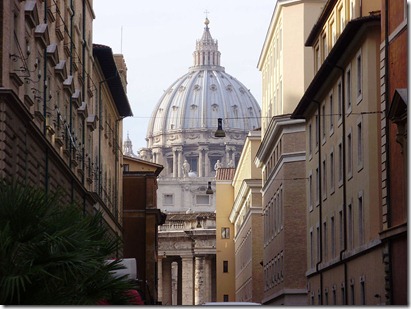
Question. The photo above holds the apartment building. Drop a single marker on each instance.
(343, 122)
(394, 142)
(62, 103)
(286, 73)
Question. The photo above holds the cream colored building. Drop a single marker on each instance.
(286, 69)
(56, 89)
(342, 113)
(246, 217)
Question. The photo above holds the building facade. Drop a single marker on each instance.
(141, 219)
(343, 120)
(394, 143)
(56, 90)
(246, 215)
(225, 253)
(181, 137)
(286, 72)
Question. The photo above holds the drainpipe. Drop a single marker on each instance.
(320, 198)
(71, 99)
(389, 293)
(344, 249)
(83, 133)
(46, 172)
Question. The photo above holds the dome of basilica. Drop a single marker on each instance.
(195, 101)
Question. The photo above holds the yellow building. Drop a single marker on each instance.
(344, 251)
(225, 255)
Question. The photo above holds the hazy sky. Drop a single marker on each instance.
(157, 39)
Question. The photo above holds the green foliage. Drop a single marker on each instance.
(53, 254)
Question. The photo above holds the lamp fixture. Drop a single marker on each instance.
(209, 190)
(220, 132)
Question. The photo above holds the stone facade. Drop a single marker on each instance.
(55, 92)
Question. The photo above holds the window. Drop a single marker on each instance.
(334, 296)
(225, 266)
(126, 167)
(352, 294)
(323, 117)
(317, 58)
(311, 249)
(359, 77)
(362, 292)
(331, 104)
(318, 244)
(324, 46)
(360, 155)
(310, 141)
(350, 227)
(326, 297)
(225, 298)
(168, 199)
(225, 233)
(349, 154)
(325, 240)
(332, 172)
(202, 199)
(333, 33)
(310, 192)
(324, 179)
(343, 294)
(340, 102)
(340, 163)
(193, 164)
(317, 130)
(317, 186)
(360, 219)
(333, 237)
(348, 88)
(341, 232)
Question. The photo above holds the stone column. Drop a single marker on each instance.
(175, 166)
(187, 282)
(174, 284)
(166, 282)
(207, 280)
(200, 162)
(199, 284)
(159, 278)
(207, 163)
(179, 161)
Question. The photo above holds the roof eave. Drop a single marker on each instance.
(104, 55)
(331, 62)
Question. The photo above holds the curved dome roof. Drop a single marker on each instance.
(196, 100)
